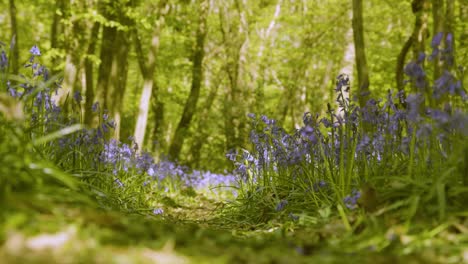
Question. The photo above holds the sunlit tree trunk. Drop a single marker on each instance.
(147, 69)
(14, 38)
(359, 47)
(197, 77)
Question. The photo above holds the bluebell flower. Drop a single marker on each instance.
(151, 172)
(342, 81)
(293, 216)
(118, 182)
(95, 107)
(308, 132)
(350, 201)
(413, 101)
(35, 51)
(3, 60)
(77, 97)
(436, 40)
(158, 211)
(281, 205)
(421, 57)
(449, 42)
(231, 154)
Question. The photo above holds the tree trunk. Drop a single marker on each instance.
(56, 30)
(158, 107)
(119, 73)
(106, 57)
(14, 38)
(197, 72)
(147, 69)
(401, 63)
(89, 74)
(235, 48)
(416, 40)
(359, 47)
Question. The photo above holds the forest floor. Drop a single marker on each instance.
(195, 230)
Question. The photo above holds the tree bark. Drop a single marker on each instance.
(89, 74)
(56, 30)
(147, 69)
(197, 74)
(359, 47)
(14, 38)
(148, 83)
(104, 72)
(416, 40)
(119, 73)
(235, 51)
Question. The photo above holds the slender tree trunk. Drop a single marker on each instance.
(56, 29)
(401, 63)
(89, 74)
(158, 107)
(359, 47)
(104, 72)
(197, 74)
(14, 38)
(147, 69)
(119, 73)
(148, 82)
(236, 51)
(416, 40)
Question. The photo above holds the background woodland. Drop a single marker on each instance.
(181, 77)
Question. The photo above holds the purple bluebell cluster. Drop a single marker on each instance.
(203, 180)
(350, 201)
(338, 148)
(93, 148)
(281, 205)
